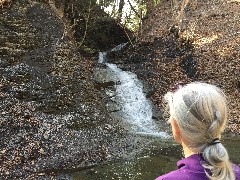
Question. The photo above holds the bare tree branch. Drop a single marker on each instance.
(134, 10)
(86, 26)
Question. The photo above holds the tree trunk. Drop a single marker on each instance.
(120, 10)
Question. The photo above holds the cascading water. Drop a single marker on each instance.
(134, 108)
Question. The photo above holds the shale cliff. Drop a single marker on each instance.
(52, 119)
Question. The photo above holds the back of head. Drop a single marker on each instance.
(200, 110)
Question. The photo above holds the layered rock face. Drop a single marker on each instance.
(52, 119)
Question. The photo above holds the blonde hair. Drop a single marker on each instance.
(200, 110)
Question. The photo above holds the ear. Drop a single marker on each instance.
(176, 131)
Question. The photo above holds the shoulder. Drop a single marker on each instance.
(236, 169)
(182, 174)
(188, 169)
(169, 176)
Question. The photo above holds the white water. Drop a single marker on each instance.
(102, 57)
(135, 108)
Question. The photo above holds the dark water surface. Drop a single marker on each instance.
(156, 159)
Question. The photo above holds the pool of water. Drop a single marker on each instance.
(156, 159)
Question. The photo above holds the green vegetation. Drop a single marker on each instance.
(130, 13)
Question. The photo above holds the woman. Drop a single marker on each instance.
(198, 115)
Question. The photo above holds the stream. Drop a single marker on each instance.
(154, 161)
(131, 107)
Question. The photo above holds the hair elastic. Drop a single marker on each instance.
(215, 141)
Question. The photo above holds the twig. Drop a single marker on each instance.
(134, 10)
(180, 15)
(125, 33)
(86, 27)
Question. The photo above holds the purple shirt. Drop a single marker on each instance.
(190, 168)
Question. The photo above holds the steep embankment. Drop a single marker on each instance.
(52, 119)
(189, 41)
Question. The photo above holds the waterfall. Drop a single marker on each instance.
(134, 108)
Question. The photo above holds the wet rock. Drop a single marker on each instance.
(104, 85)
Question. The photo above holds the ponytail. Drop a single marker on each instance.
(217, 162)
